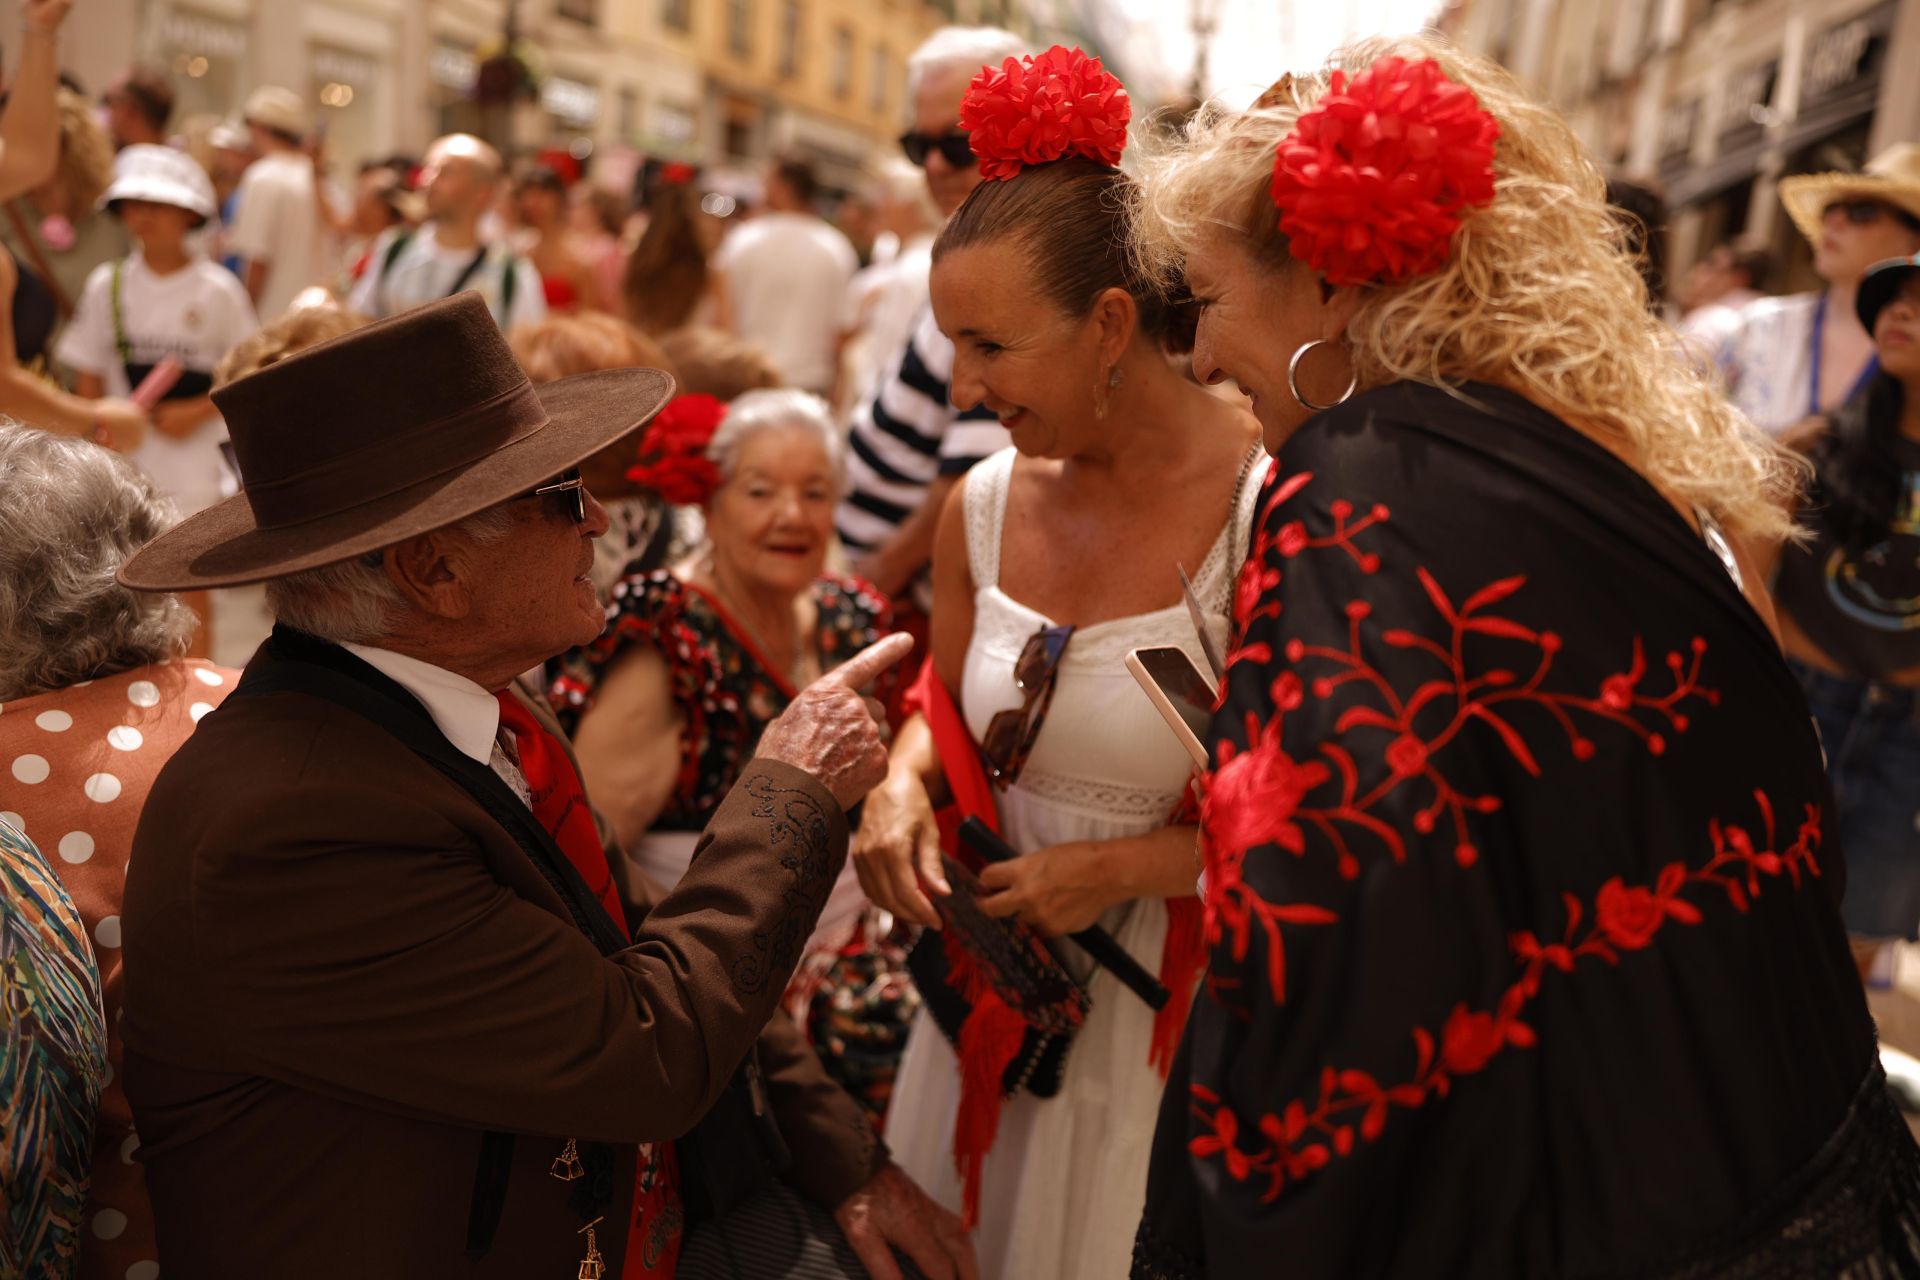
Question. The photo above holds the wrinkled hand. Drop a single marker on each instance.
(891, 1212)
(43, 17)
(1058, 890)
(898, 837)
(120, 425)
(829, 730)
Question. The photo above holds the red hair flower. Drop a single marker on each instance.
(673, 451)
(1032, 110)
(1371, 184)
(677, 174)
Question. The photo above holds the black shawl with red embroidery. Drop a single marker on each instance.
(1525, 950)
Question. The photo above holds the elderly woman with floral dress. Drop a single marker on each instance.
(94, 698)
(668, 704)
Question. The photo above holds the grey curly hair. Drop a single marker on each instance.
(73, 512)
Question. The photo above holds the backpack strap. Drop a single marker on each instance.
(387, 259)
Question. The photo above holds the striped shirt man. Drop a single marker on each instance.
(905, 441)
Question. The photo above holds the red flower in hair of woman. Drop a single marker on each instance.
(1372, 183)
(673, 451)
(1032, 110)
(677, 174)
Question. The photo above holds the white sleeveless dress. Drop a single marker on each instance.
(1063, 1187)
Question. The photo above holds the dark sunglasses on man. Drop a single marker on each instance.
(569, 483)
(1864, 213)
(953, 147)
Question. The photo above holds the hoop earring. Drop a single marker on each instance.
(1293, 382)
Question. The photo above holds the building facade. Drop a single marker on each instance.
(723, 83)
(1716, 100)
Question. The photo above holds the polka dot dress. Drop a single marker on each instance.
(75, 769)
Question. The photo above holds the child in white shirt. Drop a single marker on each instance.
(161, 301)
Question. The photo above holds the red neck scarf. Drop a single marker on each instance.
(560, 805)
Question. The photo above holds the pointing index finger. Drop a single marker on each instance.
(859, 670)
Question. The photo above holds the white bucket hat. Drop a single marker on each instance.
(161, 175)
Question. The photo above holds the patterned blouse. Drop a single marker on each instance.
(726, 691)
(53, 1062)
(852, 995)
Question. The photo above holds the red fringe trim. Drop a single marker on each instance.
(989, 1039)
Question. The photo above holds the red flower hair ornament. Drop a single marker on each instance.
(673, 451)
(1032, 110)
(1372, 183)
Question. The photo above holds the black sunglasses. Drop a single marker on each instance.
(569, 483)
(1864, 213)
(953, 147)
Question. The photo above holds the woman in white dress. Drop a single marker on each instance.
(1122, 469)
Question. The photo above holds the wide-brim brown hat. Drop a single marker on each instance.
(1892, 178)
(404, 426)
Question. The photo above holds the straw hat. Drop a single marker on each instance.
(1892, 177)
(405, 426)
(281, 110)
(160, 175)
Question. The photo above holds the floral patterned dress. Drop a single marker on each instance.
(851, 994)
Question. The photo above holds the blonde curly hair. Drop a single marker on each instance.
(86, 155)
(1540, 294)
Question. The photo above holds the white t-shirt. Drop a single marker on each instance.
(195, 314)
(275, 222)
(787, 274)
(425, 272)
(883, 303)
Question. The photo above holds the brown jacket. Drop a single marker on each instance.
(342, 972)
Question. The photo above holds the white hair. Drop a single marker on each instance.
(757, 411)
(960, 49)
(73, 512)
(354, 601)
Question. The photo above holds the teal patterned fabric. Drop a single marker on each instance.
(53, 1061)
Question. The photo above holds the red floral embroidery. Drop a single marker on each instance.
(1262, 795)
(1372, 183)
(1032, 110)
(1302, 1138)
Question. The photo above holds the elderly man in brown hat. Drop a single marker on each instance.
(386, 1014)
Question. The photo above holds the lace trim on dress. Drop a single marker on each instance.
(1096, 798)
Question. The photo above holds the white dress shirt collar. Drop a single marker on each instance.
(463, 711)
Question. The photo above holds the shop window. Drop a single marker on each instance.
(842, 77)
(740, 28)
(877, 80)
(676, 15)
(790, 19)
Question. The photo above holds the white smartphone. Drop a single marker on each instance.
(1182, 696)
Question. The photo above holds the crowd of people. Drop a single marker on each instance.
(543, 728)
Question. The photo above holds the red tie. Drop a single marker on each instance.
(560, 805)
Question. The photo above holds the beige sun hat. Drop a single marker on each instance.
(278, 109)
(1892, 177)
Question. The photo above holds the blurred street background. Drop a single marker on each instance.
(1712, 100)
